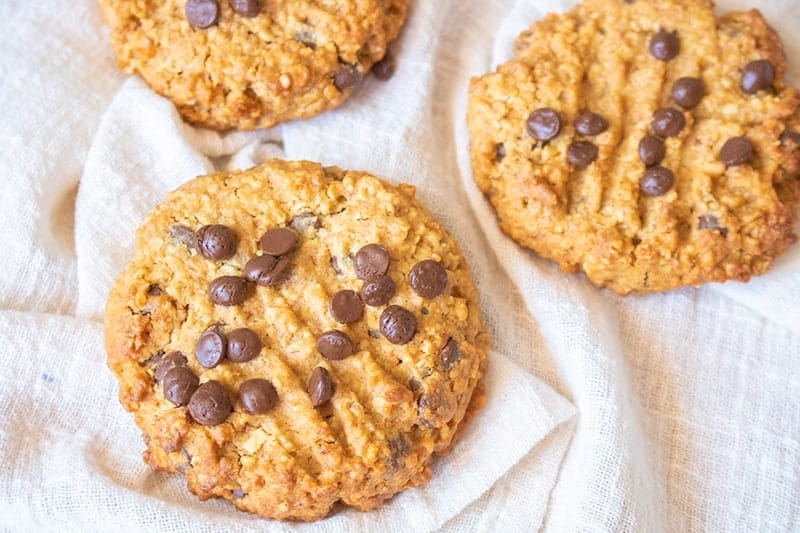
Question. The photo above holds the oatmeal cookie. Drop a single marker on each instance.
(252, 63)
(293, 335)
(646, 143)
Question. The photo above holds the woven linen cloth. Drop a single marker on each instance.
(688, 403)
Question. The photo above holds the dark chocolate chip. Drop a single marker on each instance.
(258, 396)
(687, 92)
(736, 151)
(348, 76)
(384, 69)
(243, 345)
(378, 292)
(278, 242)
(581, 154)
(428, 278)
(371, 262)
(247, 8)
(711, 222)
(656, 181)
(668, 122)
(179, 385)
(346, 306)
(665, 45)
(154, 358)
(182, 235)
(414, 384)
(168, 362)
(154, 290)
(398, 324)
(788, 137)
(210, 348)
(237, 494)
(335, 345)
(757, 76)
(590, 124)
(320, 386)
(266, 270)
(499, 152)
(304, 221)
(210, 404)
(216, 242)
(228, 290)
(450, 354)
(543, 124)
(652, 150)
(201, 13)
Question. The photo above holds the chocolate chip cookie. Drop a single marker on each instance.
(252, 63)
(647, 143)
(293, 335)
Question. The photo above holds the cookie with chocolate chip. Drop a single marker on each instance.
(337, 380)
(252, 63)
(647, 143)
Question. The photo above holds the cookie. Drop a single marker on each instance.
(293, 335)
(646, 143)
(252, 63)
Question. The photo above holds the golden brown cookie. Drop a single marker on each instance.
(252, 63)
(646, 143)
(293, 335)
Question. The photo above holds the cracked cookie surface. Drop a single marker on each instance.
(283, 430)
(690, 173)
(285, 59)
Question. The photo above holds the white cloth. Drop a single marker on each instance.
(688, 402)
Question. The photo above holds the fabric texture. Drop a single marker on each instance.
(669, 412)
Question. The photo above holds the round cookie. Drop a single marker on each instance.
(299, 393)
(252, 63)
(652, 196)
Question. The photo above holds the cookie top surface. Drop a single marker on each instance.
(646, 143)
(252, 63)
(288, 388)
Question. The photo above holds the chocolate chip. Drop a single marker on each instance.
(581, 154)
(346, 306)
(428, 278)
(209, 404)
(499, 152)
(335, 345)
(210, 348)
(237, 494)
(652, 150)
(154, 290)
(398, 448)
(201, 13)
(247, 8)
(182, 235)
(304, 221)
(378, 292)
(179, 385)
(228, 290)
(278, 242)
(656, 181)
(665, 45)
(414, 384)
(371, 262)
(543, 124)
(736, 151)
(384, 69)
(711, 222)
(757, 76)
(687, 92)
(154, 358)
(266, 270)
(398, 324)
(788, 137)
(243, 345)
(320, 386)
(167, 363)
(450, 354)
(590, 124)
(216, 242)
(348, 76)
(258, 396)
(668, 122)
